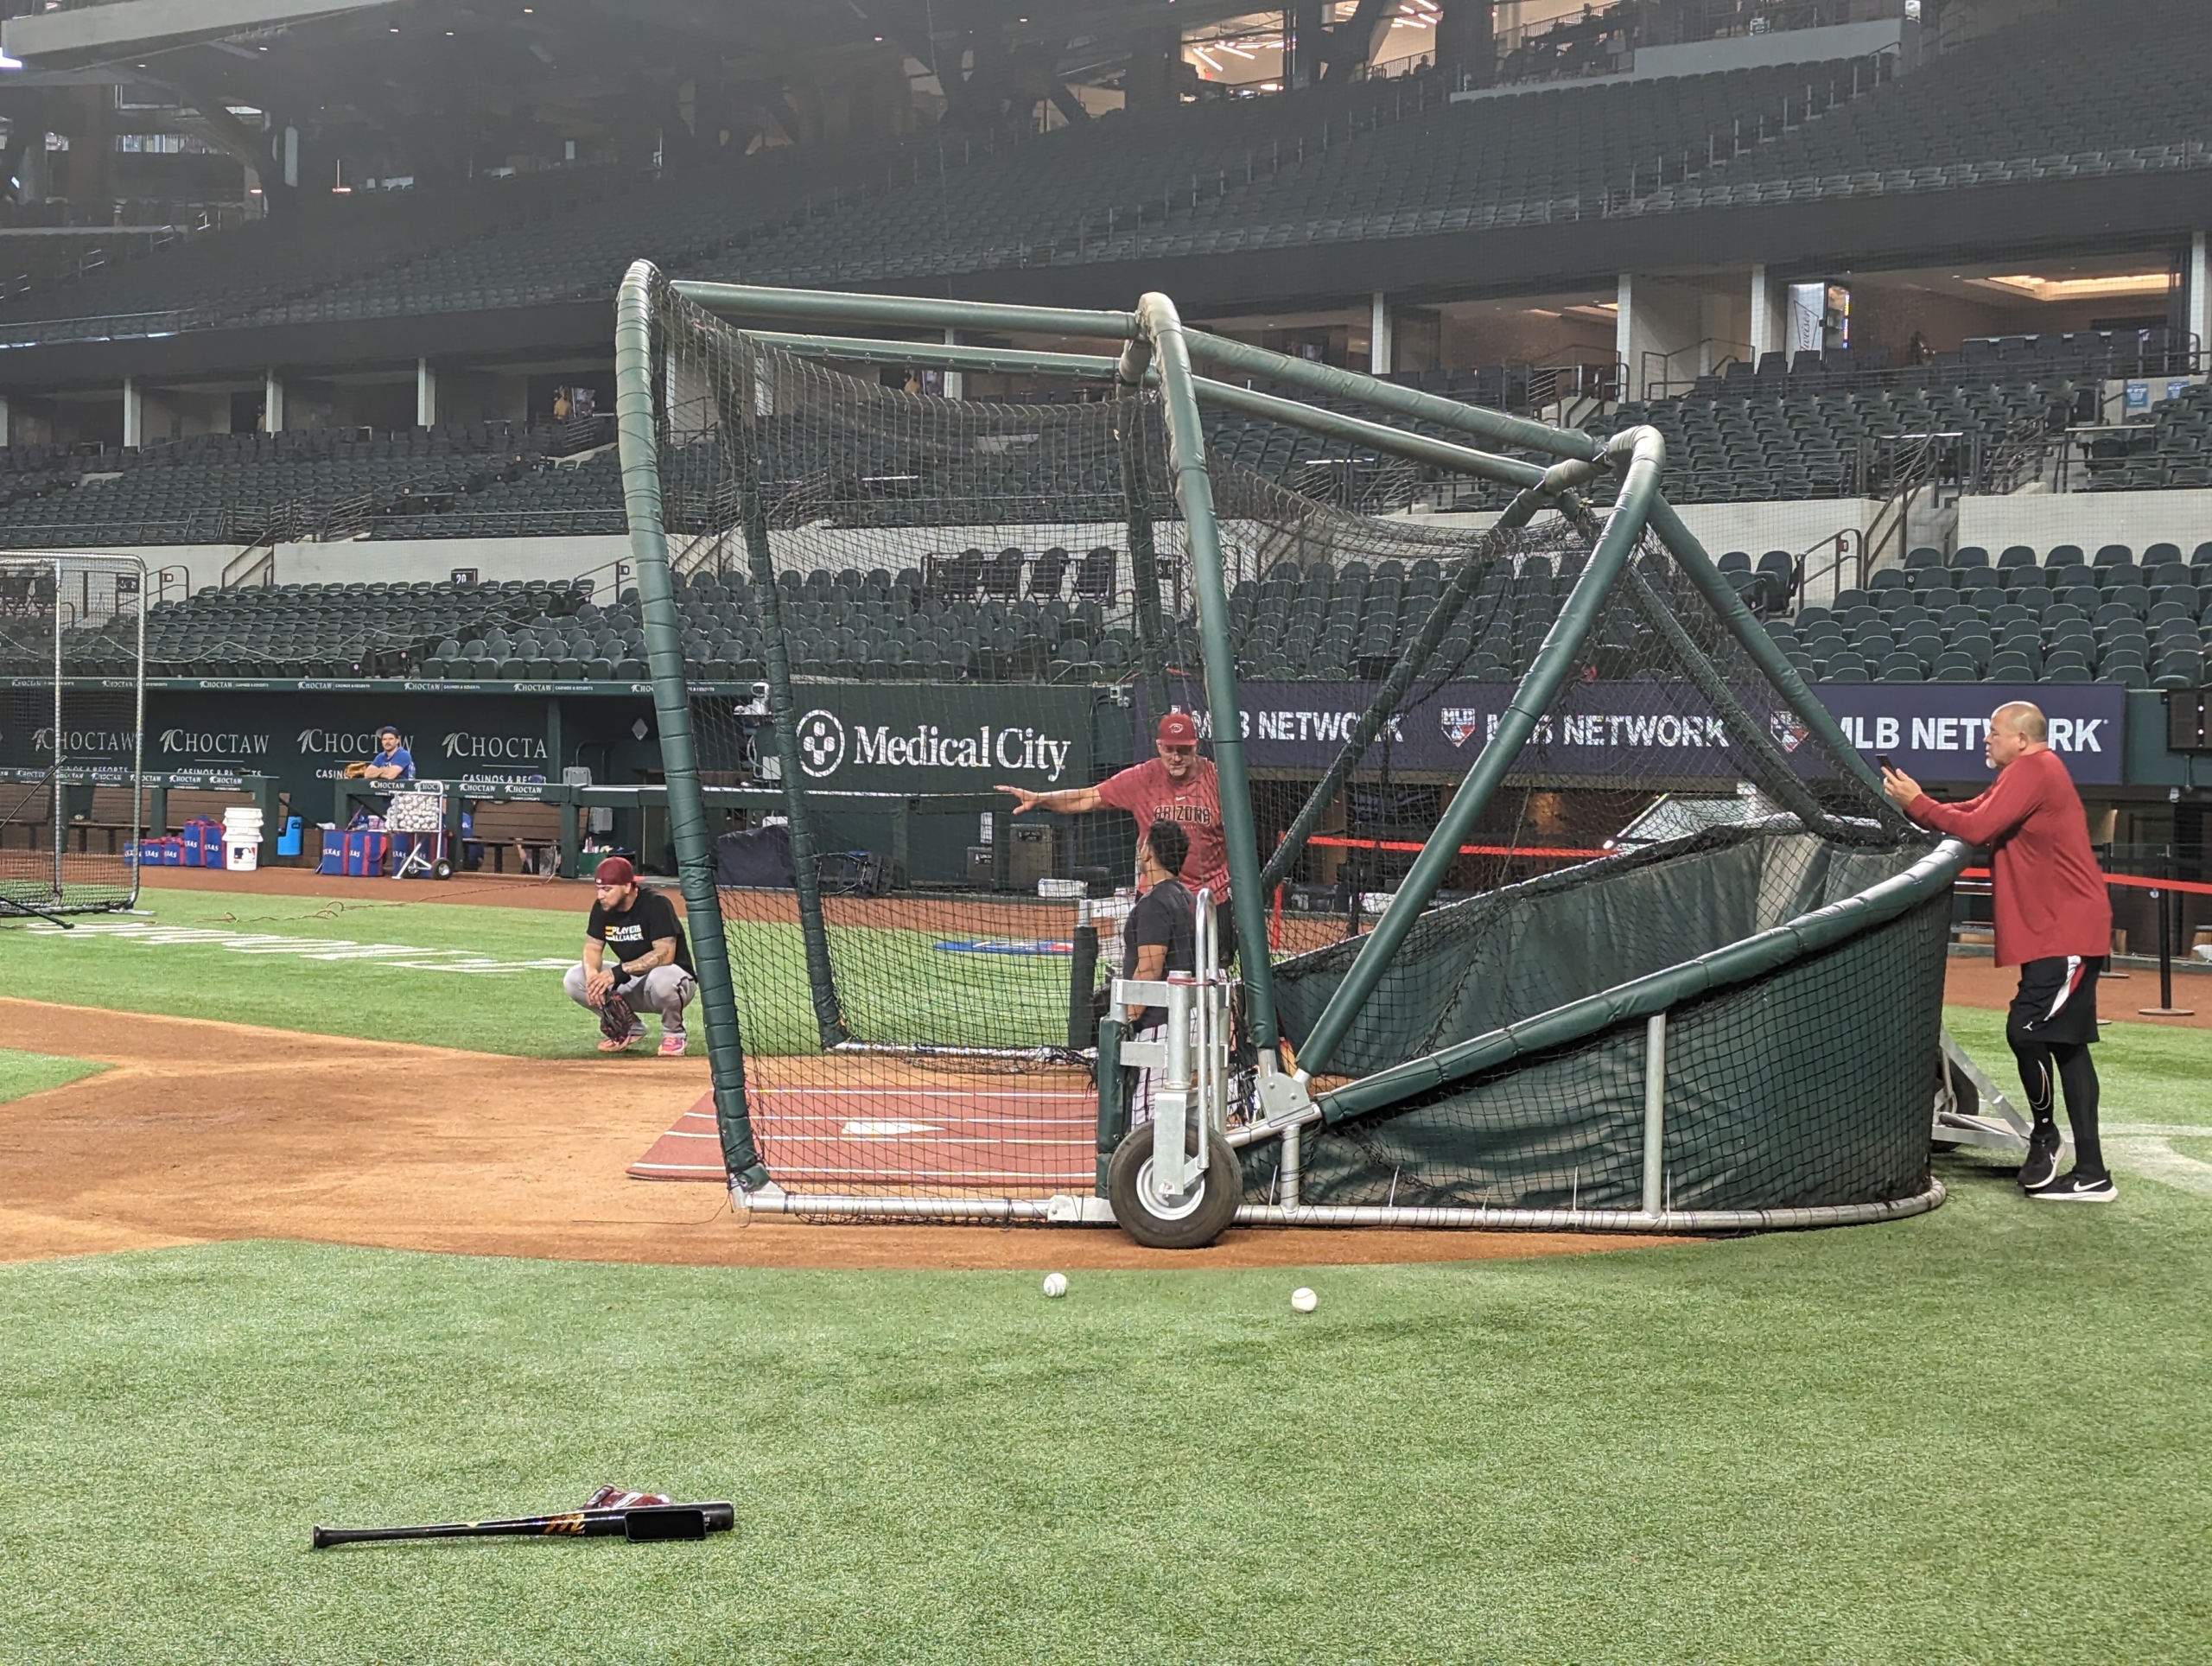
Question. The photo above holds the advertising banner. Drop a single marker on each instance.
(877, 737)
(1931, 730)
(306, 737)
(1934, 731)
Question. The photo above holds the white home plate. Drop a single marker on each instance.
(887, 1130)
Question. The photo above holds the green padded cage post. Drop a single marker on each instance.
(634, 361)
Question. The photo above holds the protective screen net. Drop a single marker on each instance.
(893, 603)
(71, 677)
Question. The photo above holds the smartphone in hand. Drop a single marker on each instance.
(1884, 760)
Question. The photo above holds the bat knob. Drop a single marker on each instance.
(321, 1539)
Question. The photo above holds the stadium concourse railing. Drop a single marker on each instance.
(1157, 351)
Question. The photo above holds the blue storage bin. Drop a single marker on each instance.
(202, 842)
(367, 853)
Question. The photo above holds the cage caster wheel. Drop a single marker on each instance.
(442, 869)
(1159, 1222)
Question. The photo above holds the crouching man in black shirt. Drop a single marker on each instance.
(635, 959)
(1160, 937)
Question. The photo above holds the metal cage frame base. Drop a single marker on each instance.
(1066, 1209)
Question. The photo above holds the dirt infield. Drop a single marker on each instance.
(480, 890)
(205, 1131)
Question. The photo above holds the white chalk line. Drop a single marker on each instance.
(399, 956)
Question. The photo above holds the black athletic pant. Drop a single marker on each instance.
(2052, 1021)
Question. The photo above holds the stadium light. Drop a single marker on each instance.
(2080, 289)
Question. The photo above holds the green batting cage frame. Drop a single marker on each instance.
(1725, 1016)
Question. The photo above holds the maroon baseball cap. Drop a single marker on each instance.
(1177, 728)
(615, 871)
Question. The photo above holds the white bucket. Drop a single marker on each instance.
(240, 855)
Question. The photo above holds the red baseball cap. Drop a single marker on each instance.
(1177, 728)
(615, 871)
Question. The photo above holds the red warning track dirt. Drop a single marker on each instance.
(203, 1131)
(1973, 981)
(480, 890)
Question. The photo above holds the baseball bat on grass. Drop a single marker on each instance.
(640, 1524)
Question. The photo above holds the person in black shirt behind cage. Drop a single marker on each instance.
(1160, 937)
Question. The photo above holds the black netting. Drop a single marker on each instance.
(894, 603)
(71, 677)
(1479, 964)
(891, 602)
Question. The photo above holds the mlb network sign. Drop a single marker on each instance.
(1932, 731)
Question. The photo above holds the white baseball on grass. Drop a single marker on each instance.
(1056, 1284)
(1304, 1300)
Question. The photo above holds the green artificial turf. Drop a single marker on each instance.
(517, 1011)
(1982, 1434)
(895, 983)
(23, 1073)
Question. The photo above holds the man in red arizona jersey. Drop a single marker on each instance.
(1176, 786)
(2054, 922)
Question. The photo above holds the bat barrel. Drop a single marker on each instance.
(568, 1524)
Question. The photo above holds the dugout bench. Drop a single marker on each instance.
(516, 813)
(98, 806)
(901, 809)
(530, 818)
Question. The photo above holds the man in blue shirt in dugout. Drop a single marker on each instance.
(393, 762)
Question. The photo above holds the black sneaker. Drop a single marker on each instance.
(2041, 1168)
(2078, 1187)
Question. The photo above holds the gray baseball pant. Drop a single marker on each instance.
(665, 989)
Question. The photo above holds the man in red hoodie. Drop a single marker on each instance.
(1178, 786)
(2054, 922)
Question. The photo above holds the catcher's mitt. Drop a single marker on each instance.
(616, 1018)
(355, 770)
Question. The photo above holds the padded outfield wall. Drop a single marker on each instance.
(970, 736)
(966, 738)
